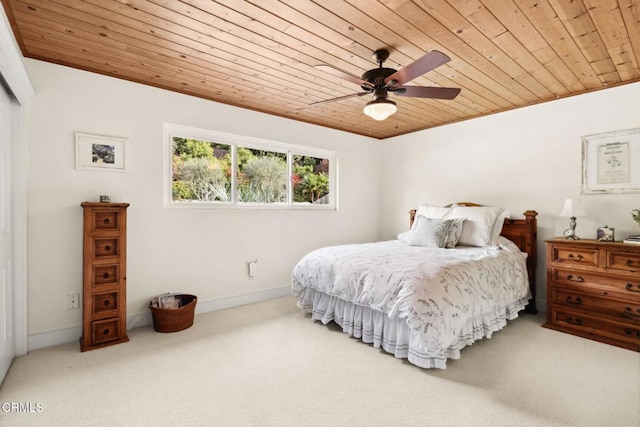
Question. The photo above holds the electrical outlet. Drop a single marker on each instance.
(73, 301)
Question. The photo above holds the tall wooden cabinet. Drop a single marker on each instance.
(104, 275)
(593, 290)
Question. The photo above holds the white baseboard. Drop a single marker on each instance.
(62, 336)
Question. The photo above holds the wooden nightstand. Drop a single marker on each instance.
(593, 290)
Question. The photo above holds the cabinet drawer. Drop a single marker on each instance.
(624, 311)
(106, 247)
(106, 220)
(105, 330)
(105, 304)
(575, 255)
(593, 325)
(107, 274)
(621, 260)
(598, 281)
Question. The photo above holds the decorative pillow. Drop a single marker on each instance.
(438, 212)
(454, 233)
(430, 232)
(481, 226)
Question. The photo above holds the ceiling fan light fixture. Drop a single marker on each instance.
(380, 109)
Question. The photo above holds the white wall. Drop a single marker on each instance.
(203, 252)
(528, 158)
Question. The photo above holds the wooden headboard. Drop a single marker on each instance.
(522, 232)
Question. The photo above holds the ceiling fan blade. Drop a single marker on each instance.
(427, 92)
(343, 75)
(340, 98)
(417, 68)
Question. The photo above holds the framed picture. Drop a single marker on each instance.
(605, 234)
(611, 162)
(101, 153)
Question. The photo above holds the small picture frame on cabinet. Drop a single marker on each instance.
(605, 234)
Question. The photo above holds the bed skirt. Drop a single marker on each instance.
(393, 335)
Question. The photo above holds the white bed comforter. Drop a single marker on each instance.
(441, 293)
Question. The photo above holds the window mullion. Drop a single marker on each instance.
(289, 178)
(234, 174)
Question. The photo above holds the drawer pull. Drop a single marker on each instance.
(574, 301)
(628, 313)
(573, 321)
(107, 248)
(630, 262)
(105, 275)
(629, 287)
(106, 220)
(106, 303)
(630, 331)
(106, 331)
(578, 279)
(579, 257)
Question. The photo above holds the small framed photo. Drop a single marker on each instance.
(605, 234)
(101, 153)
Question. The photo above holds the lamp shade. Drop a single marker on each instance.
(380, 109)
(572, 208)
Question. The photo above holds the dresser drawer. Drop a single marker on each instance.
(624, 311)
(105, 330)
(622, 260)
(598, 281)
(106, 220)
(105, 304)
(106, 247)
(596, 326)
(575, 255)
(105, 274)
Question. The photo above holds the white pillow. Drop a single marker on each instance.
(454, 233)
(497, 229)
(433, 212)
(430, 232)
(482, 224)
(404, 236)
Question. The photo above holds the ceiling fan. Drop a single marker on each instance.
(380, 81)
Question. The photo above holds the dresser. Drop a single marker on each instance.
(104, 275)
(593, 290)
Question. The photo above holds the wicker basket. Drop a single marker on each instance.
(175, 319)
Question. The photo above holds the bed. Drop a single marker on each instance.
(456, 276)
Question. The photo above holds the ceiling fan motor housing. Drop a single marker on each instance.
(377, 76)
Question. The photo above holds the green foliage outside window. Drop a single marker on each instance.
(310, 179)
(202, 171)
(263, 179)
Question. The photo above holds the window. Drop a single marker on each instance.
(213, 169)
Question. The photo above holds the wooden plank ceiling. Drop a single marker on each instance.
(260, 54)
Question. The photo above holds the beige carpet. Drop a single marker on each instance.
(268, 365)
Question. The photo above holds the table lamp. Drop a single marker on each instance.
(572, 209)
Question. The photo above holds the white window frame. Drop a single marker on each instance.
(173, 130)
